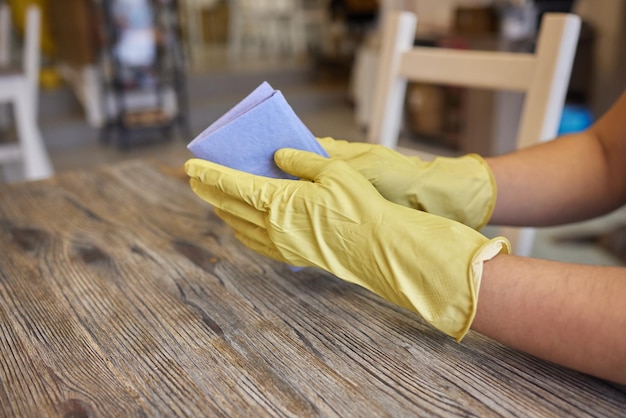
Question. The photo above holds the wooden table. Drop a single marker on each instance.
(121, 294)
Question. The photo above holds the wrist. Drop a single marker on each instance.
(462, 189)
(436, 267)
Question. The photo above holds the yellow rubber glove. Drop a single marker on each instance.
(335, 219)
(462, 189)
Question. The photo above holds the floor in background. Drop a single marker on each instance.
(320, 98)
(321, 101)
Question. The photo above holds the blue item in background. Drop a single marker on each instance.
(575, 118)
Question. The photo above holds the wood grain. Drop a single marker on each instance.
(121, 294)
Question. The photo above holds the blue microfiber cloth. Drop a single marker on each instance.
(247, 136)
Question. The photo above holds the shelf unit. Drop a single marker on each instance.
(142, 69)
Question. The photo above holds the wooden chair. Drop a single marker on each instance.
(19, 87)
(543, 77)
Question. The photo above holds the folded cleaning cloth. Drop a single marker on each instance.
(247, 136)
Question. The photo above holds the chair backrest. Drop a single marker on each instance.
(5, 35)
(543, 76)
(32, 51)
(20, 88)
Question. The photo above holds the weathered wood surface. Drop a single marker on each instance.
(122, 295)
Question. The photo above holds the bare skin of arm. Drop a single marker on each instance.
(572, 178)
(573, 315)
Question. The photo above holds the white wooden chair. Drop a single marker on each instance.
(20, 88)
(543, 77)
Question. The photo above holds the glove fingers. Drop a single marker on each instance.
(313, 167)
(227, 203)
(260, 248)
(203, 170)
(254, 190)
(372, 161)
(302, 164)
(256, 238)
(252, 236)
(244, 227)
(343, 149)
(327, 143)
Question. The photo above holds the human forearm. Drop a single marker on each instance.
(553, 183)
(572, 178)
(572, 315)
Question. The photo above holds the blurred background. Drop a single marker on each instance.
(123, 79)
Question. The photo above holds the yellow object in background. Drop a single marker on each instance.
(49, 77)
(462, 189)
(18, 14)
(334, 219)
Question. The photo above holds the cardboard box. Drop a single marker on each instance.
(73, 27)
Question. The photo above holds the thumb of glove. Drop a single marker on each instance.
(302, 164)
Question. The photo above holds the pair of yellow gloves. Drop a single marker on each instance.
(398, 226)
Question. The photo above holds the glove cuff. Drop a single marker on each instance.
(493, 195)
(435, 269)
(489, 250)
(462, 189)
(454, 317)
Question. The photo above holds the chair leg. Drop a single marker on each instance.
(5, 116)
(36, 162)
(522, 239)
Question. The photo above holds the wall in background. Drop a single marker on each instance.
(608, 18)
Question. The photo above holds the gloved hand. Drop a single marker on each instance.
(335, 219)
(462, 189)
